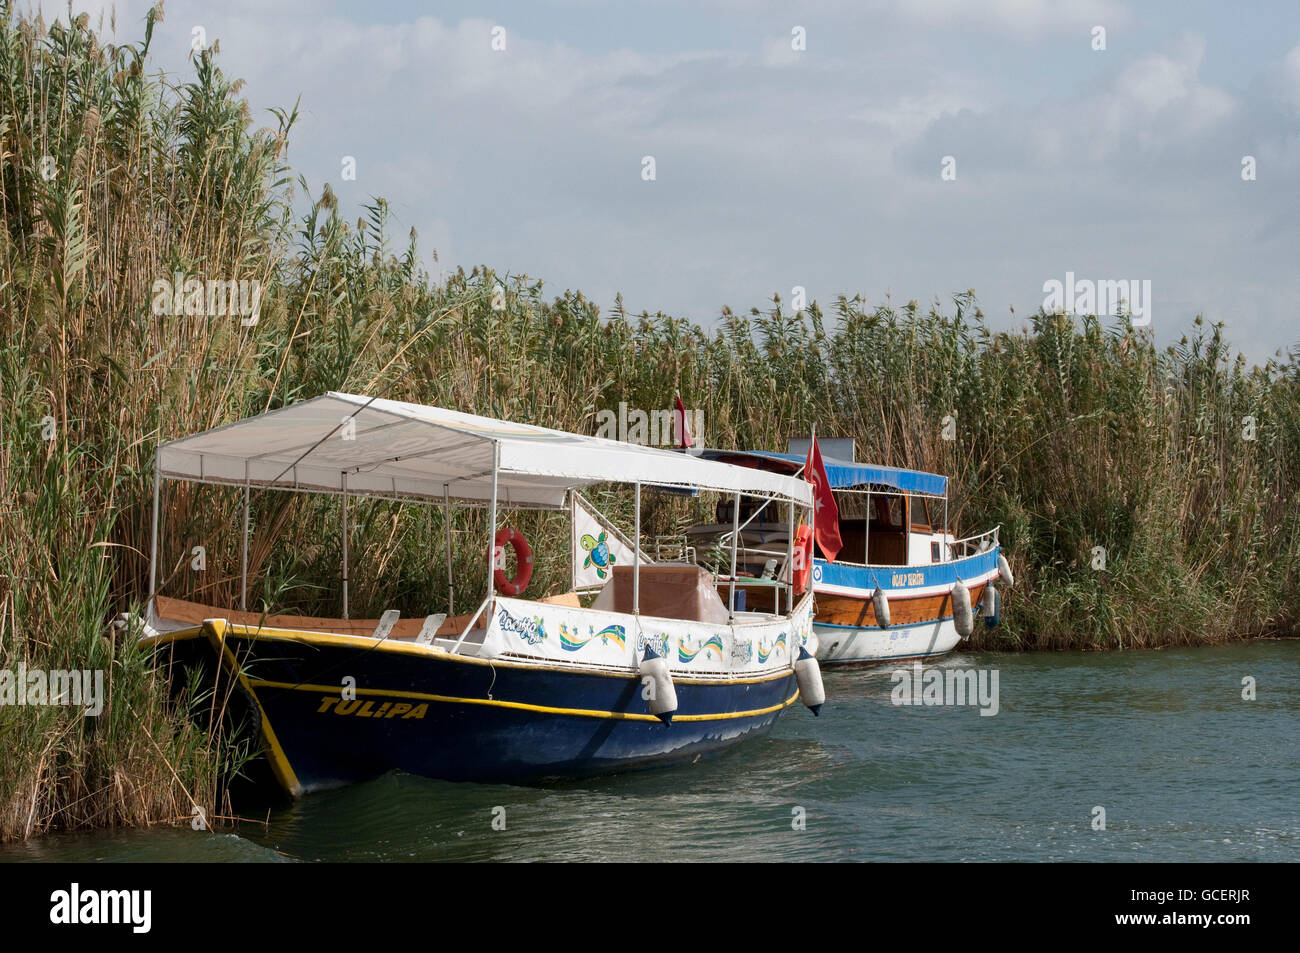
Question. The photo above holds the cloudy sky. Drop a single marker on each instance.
(822, 167)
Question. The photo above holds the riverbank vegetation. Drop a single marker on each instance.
(1147, 496)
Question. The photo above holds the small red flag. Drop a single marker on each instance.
(826, 515)
(683, 431)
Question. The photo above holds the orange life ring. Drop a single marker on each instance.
(803, 557)
(523, 561)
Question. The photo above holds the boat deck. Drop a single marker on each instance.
(177, 614)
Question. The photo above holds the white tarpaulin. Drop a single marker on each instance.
(597, 547)
(379, 447)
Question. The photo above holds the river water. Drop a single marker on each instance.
(1184, 768)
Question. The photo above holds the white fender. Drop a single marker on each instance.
(989, 602)
(991, 606)
(1004, 570)
(961, 613)
(881, 603)
(662, 692)
(809, 676)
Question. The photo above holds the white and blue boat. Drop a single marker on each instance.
(903, 587)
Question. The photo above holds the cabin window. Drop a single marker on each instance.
(887, 540)
(934, 552)
(920, 514)
(750, 510)
(852, 528)
(851, 507)
(934, 508)
(887, 512)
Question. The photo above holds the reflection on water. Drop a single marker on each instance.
(1185, 769)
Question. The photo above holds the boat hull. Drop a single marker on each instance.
(849, 645)
(920, 609)
(463, 719)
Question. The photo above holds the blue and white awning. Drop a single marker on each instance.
(843, 474)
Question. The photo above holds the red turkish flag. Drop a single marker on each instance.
(826, 515)
(683, 431)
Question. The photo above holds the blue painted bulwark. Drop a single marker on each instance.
(902, 578)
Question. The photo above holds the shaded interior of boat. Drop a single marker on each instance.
(676, 591)
(883, 539)
(891, 518)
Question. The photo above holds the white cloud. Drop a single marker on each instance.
(1153, 104)
(1022, 19)
(1290, 76)
(778, 168)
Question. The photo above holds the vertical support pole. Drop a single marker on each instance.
(446, 523)
(573, 540)
(243, 549)
(866, 531)
(789, 561)
(947, 550)
(492, 525)
(907, 528)
(636, 555)
(153, 545)
(812, 512)
(345, 543)
(735, 542)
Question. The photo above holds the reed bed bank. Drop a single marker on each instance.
(1147, 496)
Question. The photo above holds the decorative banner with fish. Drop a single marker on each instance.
(597, 547)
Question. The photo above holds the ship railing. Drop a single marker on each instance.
(676, 548)
(761, 563)
(771, 556)
(974, 545)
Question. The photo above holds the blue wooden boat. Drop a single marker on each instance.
(656, 669)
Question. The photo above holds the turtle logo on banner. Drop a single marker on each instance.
(598, 553)
(598, 548)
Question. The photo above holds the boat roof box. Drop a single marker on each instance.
(676, 591)
(840, 448)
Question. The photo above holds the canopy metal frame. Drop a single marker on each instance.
(448, 503)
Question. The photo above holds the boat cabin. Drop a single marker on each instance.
(887, 516)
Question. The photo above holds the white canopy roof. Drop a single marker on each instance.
(395, 449)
